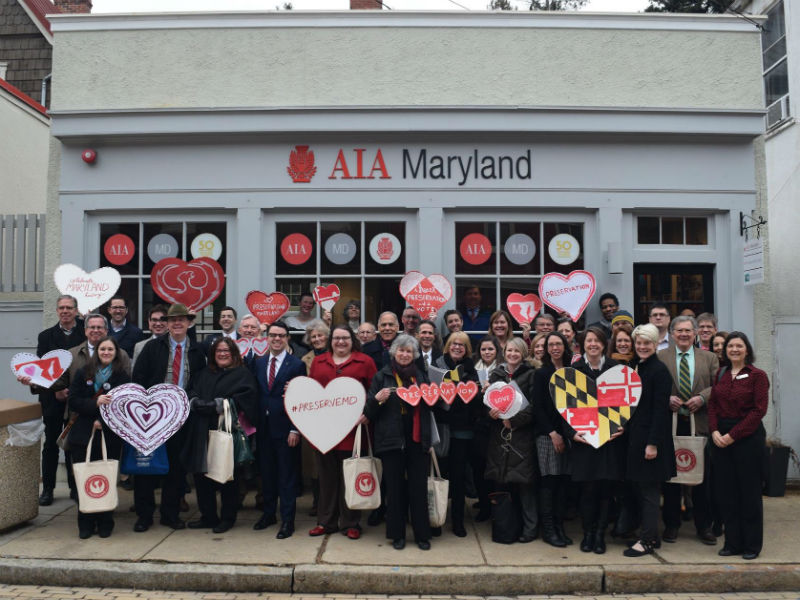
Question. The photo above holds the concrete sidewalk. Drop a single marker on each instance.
(48, 552)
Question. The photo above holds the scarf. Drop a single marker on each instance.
(622, 358)
(101, 377)
(407, 376)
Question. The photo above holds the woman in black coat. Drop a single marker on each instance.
(651, 453)
(225, 377)
(402, 436)
(596, 469)
(88, 391)
(515, 471)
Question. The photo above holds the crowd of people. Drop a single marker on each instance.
(696, 380)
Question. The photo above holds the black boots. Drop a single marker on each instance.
(549, 533)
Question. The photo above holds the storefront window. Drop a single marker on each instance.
(689, 231)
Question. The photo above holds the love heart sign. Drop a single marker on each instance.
(43, 371)
(467, 390)
(597, 409)
(523, 308)
(324, 415)
(267, 308)
(89, 289)
(504, 397)
(411, 394)
(326, 295)
(567, 293)
(426, 294)
(196, 283)
(146, 419)
(259, 346)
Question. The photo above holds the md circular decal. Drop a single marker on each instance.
(519, 249)
(340, 248)
(162, 246)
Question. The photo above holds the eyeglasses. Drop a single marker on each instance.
(277, 335)
(341, 339)
(660, 315)
(92, 327)
(457, 345)
(220, 351)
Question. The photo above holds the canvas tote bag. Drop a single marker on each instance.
(438, 489)
(220, 448)
(362, 477)
(96, 480)
(689, 454)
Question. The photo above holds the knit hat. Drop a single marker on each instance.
(622, 315)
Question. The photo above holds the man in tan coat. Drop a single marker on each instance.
(693, 371)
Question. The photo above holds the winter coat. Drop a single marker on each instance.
(460, 416)
(82, 400)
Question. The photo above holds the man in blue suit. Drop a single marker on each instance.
(278, 441)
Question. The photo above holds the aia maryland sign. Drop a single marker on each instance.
(390, 165)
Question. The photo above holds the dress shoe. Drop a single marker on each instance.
(436, 531)
(200, 524)
(126, 484)
(353, 533)
(525, 539)
(707, 537)
(670, 534)
(104, 531)
(587, 543)
(286, 530)
(725, 551)
(424, 545)
(265, 522)
(85, 534)
(142, 525)
(750, 555)
(399, 543)
(634, 552)
(223, 526)
(173, 524)
(46, 498)
(375, 517)
(320, 530)
(600, 543)
(459, 531)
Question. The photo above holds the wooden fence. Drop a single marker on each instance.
(22, 253)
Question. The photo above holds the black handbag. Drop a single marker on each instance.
(506, 521)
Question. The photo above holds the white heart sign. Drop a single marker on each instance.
(43, 371)
(426, 294)
(90, 289)
(146, 418)
(567, 293)
(324, 415)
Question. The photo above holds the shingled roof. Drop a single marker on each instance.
(38, 10)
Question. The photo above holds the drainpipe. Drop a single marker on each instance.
(44, 88)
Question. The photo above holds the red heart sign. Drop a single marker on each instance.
(501, 398)
(523, 308)
(467, 390)
(412, 394)
(567, 293)
(326, 295)
(426, 294)
(196, 283)
(447, 390)
(430, 393)
(267, 308)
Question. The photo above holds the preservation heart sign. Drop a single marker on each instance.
(326, 295)
(523, 308)
(426, 294)
(567, 293)
(505, 397)
(600, 408)
(267, 308)
(89, 289)
(429, 392)
(42, 371)
(324, 415)
(146, 418)
(259, 346)
(466, 390)
(196, 283)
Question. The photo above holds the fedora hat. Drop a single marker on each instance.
(179, 310)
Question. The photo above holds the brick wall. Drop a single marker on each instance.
(364, 5)
(74, 6)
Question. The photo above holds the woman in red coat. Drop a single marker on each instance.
(343, 359)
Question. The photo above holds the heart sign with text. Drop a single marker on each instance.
(504, 397)
(447, 390)
(567, 293)
(267, 308)
(430, 393)
(412, 394)
(146, 418)
(196, 283)
(326, 295)
(43, 371)
(259, 346)
(426, 294)
(89, 289)
(324, 415)
(598, 409)
(467, 390)
(523, 308)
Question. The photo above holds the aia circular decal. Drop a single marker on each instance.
(96, 486)
(385, 248)
(475, 248)
(365, 484)
(118, 249)
(296, 248)
(685, 459)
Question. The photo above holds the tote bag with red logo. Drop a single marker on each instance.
(689, 454)
(96, 480)
(362, 477)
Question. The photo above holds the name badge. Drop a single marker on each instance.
(744, 376)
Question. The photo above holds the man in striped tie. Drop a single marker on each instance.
(693, 372)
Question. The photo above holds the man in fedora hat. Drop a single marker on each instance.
(170, 358)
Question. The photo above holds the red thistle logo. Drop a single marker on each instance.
(385, 248)
(301, 165)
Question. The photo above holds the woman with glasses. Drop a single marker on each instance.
(224, 378)
(342, 359)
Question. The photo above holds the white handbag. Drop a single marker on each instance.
(362, 477)
(689, 454)
(220, 448)
(438, 489)
(96, 480)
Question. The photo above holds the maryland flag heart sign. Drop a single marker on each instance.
(598, 409)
